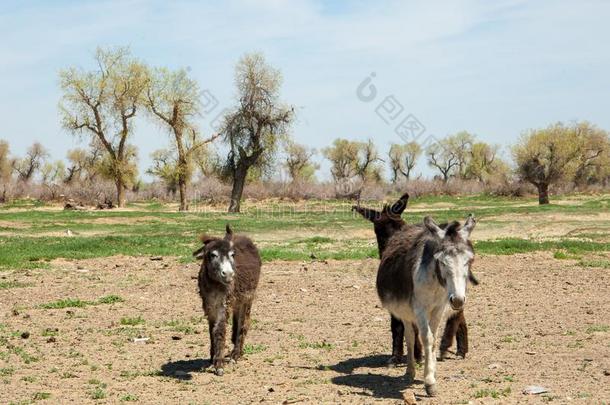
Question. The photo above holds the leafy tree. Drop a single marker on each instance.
(367, 162)
(353, 159)
(450, 155)
(403, 158)
(165, 167)
(298, 162)
(484, 162)
(593, 162)
(102, 104)
(547, 156)
(31, 163)
(174, 98)
(254, 128)
(343, 155)
(52, 172)
(83, 164)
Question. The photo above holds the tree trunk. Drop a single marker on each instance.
(120, 193)
(239, 180)
(543, 193)
(182, 185)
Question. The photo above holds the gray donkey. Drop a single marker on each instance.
(424, 272)
(227, 282)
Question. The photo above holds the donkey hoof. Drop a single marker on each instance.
(461, 354)
(232, 360)
(431, 390)
(219, 372)
(396, 360)
(410, 376)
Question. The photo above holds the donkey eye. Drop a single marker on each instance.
(231, 254)
(214, 255)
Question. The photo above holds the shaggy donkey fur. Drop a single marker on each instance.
(228, 279)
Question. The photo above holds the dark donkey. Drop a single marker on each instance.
(386, 223)
(227, 281)
(424, 271)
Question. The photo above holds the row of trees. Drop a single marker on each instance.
(100, 105)
(577, 153)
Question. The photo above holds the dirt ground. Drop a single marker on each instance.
(319, 336)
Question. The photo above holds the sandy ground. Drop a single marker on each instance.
(319, 336)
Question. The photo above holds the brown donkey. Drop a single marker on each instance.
(228, 279)
(386, 223)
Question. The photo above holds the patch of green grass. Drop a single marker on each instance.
(28, 378)
(5, 285)
(6, 371)
(252, 349)
(110, 299)
(323, 345)
(495, 394)
(66, 303)
(25, 356)
(129, 398)
(511, 246)
(600, 263)
(132, 321)
(98, 393)
(508, 339)
(181, 326)
(50, 332)
(78, 303)
(40, 396)
(597, 328)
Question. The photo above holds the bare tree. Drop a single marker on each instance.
(403, 158)
(253, 130)
(103, 103)
(31, 163)
(298, 162)
(442, 159)
(174, 99)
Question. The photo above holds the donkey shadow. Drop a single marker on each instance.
(380, 385)
(183, 369)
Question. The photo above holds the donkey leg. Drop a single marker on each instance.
(243, 324)
(462, 336)
(410, 338)
(427, 331)
(417, 349)
(219, 330)
(237, 325)
(398, 336)
(451, 327)
(211, 330)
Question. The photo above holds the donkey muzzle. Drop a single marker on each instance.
(456, 302)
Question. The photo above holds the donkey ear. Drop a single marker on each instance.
(229, 234)
(198, 254)
(399, 206)
(205, 239)
(468, 227)
(368, 213)
(472, 278)
(434, 228)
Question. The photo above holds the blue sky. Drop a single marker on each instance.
(494, 68)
